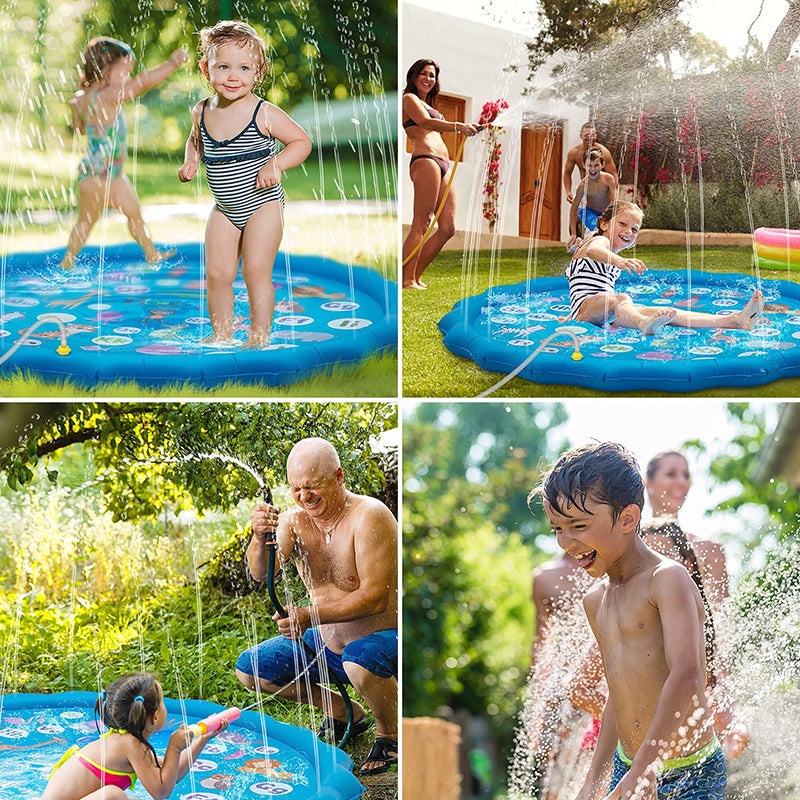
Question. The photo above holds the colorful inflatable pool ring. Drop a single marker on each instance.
(256, 756)
(776, 248)
(126, 319)
(500, 328)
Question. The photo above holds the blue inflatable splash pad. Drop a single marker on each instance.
(501, 327)
(255, 757)
(126, 319)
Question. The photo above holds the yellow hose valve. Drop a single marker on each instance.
(577, 355)
(63, 350)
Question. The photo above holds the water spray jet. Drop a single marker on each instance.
(272, 550)
(63, 349)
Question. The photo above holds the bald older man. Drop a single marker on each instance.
(345, 548)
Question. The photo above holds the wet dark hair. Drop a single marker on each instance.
(99, 53)
(413, 73)
(655, 462)
(672, 531)
(586, 125)
(119, 707)
(594, 155)
(603, 472)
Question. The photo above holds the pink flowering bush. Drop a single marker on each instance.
(491, 187)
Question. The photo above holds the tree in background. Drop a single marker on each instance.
(468, 551)
(152, 456)
(328, 50)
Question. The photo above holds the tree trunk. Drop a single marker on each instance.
(785, 35)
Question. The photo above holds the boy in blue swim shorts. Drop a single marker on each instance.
(596, 191)
(647, 616)
(345, 548)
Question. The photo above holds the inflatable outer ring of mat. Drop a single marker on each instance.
(776, 248)
(463, 336)
(338, 783)
(92, 366)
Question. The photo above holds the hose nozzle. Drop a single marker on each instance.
(272, 539)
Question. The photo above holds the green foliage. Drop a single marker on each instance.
(497, 448)
(467, 612)
(737, 466)
(723, 208)
(150, 456)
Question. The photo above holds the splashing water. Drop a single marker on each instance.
(550, 761)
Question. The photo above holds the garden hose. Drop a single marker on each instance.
(576, 356)
(272, 550)
(63, 349)
(441, 205)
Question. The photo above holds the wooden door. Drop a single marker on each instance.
(540, 181)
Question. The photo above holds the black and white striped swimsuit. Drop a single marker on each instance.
(588, 277)
(232, 168)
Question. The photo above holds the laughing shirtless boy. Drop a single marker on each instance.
(647, 617)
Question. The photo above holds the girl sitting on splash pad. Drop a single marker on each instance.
(133, 709)
(596, 265)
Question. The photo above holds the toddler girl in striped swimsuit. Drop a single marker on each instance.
(234, 133)
(594, 270)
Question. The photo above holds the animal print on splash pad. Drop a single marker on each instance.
(501, 327)
(128, 319)
(255, 757)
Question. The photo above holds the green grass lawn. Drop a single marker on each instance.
(36, 180)
(431, 370)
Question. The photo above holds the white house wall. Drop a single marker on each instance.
(472, 57)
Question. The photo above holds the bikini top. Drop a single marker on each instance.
(123, 780)
(409, 123)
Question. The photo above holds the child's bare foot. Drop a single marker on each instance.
(657, 320)
(748, 316)
(160, 255)
(256, 342)
(215, 340)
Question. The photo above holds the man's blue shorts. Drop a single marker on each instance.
(588, 216)
(705, 779)
(279, 660)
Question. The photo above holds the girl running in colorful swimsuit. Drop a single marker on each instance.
(235, 132)
(430, 165)
(97, 111)
(594, 270)
(133, 710)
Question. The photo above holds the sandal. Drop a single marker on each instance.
(335, 728)
(381, 751)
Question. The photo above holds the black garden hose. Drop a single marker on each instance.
(272, 550)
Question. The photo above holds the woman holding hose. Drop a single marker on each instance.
(430, 168)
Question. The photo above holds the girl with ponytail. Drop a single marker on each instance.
(132, 708)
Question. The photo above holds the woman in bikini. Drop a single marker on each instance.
(667, 484)
(430, 164)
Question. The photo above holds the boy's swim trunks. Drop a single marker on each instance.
(700, 776)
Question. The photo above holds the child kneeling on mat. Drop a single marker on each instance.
(133, 709)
